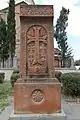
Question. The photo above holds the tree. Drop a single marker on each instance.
(60, 35)
(4, 45)
(11, 29)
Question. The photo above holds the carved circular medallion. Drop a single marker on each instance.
(37, 96)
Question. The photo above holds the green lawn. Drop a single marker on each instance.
(5, 94)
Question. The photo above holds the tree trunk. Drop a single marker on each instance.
(64, 63)
(3, 63)
(11, 61)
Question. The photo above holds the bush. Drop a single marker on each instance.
(79, 68)
(2, 76)
(5, 94)
(15, 71)
(58, 75)
(71, 84)
(14, 78)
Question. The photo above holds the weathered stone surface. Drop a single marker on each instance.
(38, 97)
(37, 91)
(56, 116)
(36, 10)
(37, 50)
(36, 54)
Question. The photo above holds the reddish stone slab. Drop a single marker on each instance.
(36, 10)
(36, 53)
(38, 97)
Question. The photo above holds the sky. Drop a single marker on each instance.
(73, 29)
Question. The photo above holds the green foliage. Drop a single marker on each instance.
(14, 78)
(77, 62)
(2, 76)
(11, 28)
(60, 35)
(15, 71)
(71, 84)
(5, 94)
(4, 45)
(58, 75)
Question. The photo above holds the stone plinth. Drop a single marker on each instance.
(41, 95)
(56, 116)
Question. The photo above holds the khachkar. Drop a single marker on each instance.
(37, 91)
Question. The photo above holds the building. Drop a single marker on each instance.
(58, 61)
(3, 14)
(57, 58)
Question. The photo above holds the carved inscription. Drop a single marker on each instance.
(37, 50)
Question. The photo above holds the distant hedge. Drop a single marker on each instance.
(58, 75)
(15, 75)
(2, 76)
(71, 84)
(15, 71)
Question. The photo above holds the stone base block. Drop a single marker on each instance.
(55, 116)
(37, 97)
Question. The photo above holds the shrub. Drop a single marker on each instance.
(2, 76)
(15, 71)
(71, 84)
(5, 94)
(58, 75)
(14, 78)
(79, 68)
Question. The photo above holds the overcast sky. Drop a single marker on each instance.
(73, 30)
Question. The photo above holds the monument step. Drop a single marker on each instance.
(55, 116)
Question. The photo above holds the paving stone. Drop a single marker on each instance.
(72, 110)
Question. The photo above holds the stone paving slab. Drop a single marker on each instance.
(55, 116)
(6, 113)
(72, 110)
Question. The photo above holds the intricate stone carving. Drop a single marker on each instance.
(37, 96)
(36, 10)
(37, 50)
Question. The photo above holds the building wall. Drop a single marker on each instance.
(57, 63)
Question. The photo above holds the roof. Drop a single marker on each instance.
(57, 50)
(22, 2)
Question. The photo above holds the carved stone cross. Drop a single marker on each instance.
(36, 38)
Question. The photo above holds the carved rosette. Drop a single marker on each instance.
(37, 96)
(37, 50)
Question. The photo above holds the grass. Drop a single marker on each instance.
(5, 94)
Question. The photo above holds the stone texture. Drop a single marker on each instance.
(36, 10)
(42, 29)
(56, 116)
(37, 91)
(38, 97)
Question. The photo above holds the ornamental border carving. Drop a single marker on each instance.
(38, 10)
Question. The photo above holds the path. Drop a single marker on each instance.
(72, 111)
(6, 113)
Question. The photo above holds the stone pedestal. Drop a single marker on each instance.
(55, 116)
(41, 95)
